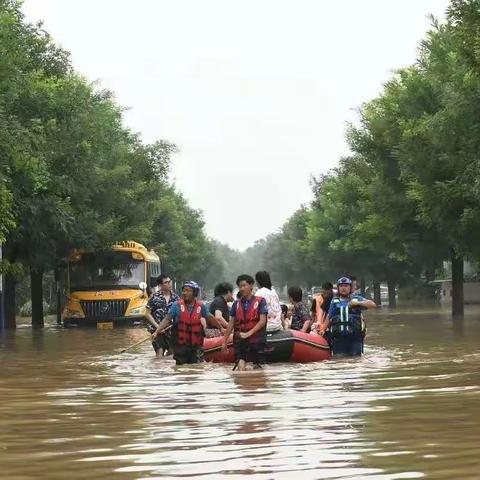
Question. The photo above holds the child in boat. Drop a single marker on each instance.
(301, 319)
(248, 321)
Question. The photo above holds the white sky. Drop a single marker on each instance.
(256, 93)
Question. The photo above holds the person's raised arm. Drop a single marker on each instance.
(364, 303)
(368, 304)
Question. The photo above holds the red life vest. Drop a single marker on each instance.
(190, 328)
(246, 320)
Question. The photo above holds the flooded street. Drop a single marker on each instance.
(72, 407)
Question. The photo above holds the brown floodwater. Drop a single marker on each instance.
(72, 406)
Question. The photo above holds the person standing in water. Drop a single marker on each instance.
(188, 317)
(266, 291)
(345, 320)
(158, 306)
(248, 322)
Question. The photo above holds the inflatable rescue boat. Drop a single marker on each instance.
(284, 346)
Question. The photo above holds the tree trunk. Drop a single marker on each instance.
(363, 286)
(58, 294)
(377, 296)
(10, 306)
(392, 295)
(36, 286)
(457, 284)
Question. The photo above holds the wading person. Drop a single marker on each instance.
(188, 317)
(347, 330)
(248, 320)
(158, 306)
(219, 309)
(301, 319)
(266, 291)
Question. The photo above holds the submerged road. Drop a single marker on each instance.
(72, 407)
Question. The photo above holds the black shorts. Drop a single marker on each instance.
(161, 342)
(249, 352)
(187, 354)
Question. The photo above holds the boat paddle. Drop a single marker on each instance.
(143, 341)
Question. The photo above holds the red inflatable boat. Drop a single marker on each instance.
(285, 346)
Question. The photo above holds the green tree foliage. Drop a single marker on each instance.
(71, 175)
(408, 196)
(177, 234)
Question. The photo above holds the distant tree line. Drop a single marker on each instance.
(408, 196)
(72, 175)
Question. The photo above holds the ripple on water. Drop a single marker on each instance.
(72, 406)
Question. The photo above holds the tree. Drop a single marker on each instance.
(75, 176)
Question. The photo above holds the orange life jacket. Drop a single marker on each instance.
(189, 328)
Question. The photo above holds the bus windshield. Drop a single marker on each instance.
(106, 270)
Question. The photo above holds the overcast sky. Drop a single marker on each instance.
(256, 94)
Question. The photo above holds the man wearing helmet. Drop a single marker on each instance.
(188, 317)
(345, 319)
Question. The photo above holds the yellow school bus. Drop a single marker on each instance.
(109, 288)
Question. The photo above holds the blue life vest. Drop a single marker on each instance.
(346, 321)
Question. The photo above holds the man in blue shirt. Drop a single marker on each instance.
(188, 319)
(345, 320)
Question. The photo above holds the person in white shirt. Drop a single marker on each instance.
(266, 291)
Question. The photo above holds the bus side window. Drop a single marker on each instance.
(153, 273)
(150, 274)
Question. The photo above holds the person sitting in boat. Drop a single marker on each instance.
(301, 319)
(219, 309)
(345, 320)
(266, 291)
(248, 321)
(285, 317)
(320, 306)
(188, 317)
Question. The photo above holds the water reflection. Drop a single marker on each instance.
(71, 405)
